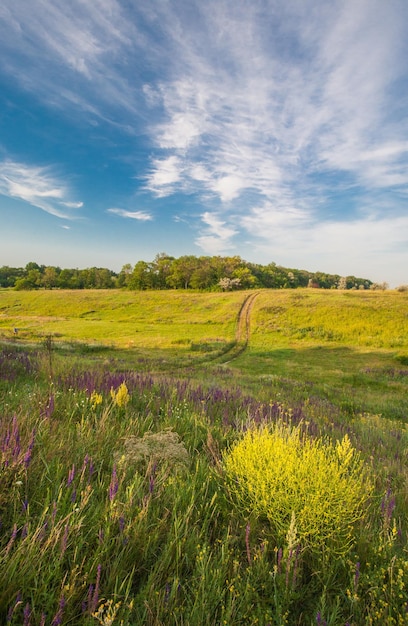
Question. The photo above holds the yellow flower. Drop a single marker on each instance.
(95, 399)
(121, 396)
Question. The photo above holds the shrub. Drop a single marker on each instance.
(286, 477)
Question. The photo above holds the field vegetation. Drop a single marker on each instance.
(203, 458)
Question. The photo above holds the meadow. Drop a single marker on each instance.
(203, 458)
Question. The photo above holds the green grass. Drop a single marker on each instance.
(116, 318)
(117, 512)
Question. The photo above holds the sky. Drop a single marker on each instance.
(276, 130)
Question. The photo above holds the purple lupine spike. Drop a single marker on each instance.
(114, 484)
(356, 576)
(27, 458)
(27, 615)
(71, 475)
(167, 591)
(57, 619)
(12, 539)
(121, 523)
(90, 596)
(94, 595)
(11, 610)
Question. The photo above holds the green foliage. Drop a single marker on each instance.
(166, 272)
(308, 488)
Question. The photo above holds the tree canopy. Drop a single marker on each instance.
(215, 273)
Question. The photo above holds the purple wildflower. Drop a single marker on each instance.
(29, 452)
(27, 615)
(356, 576)
(71, 475)
(248, 547)
(167, 591)
(93, 594)
(114, 484)
(12, 539)
(11, 610)
(57, 619)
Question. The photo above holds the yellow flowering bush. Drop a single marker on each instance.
(120, 396)
(284, 476)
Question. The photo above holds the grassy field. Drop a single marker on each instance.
(203, 459)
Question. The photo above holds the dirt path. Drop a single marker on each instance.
(243, 328)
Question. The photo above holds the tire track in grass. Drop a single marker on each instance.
(243, 331)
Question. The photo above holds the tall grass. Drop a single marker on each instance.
(117, 501)
(116, 506)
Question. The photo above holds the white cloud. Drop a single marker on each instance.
(37, 186)
(217, 235)
(252, 114)
(265, 111)
(134, 215)
(165, 174)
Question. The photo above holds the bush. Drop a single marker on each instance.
(289, 479)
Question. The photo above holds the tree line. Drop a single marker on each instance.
(205, 273)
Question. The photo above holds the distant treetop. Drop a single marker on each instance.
(204, 273)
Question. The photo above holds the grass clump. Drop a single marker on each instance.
(317, 489)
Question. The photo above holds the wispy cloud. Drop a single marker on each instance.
(275, 116)
(284, 109)
(217, 236)
(38, 186)
(164, 176)
(133, 215)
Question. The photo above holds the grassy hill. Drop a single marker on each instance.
(203, 459)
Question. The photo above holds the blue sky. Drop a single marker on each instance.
(276, 130)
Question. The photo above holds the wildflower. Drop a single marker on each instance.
(114, 484)
(57, 619)
(71, 475)
(11, 610)
(121, 396)
(12, 539)
(93, 593)
(95, 399)
(27, 615)
(248, 547)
